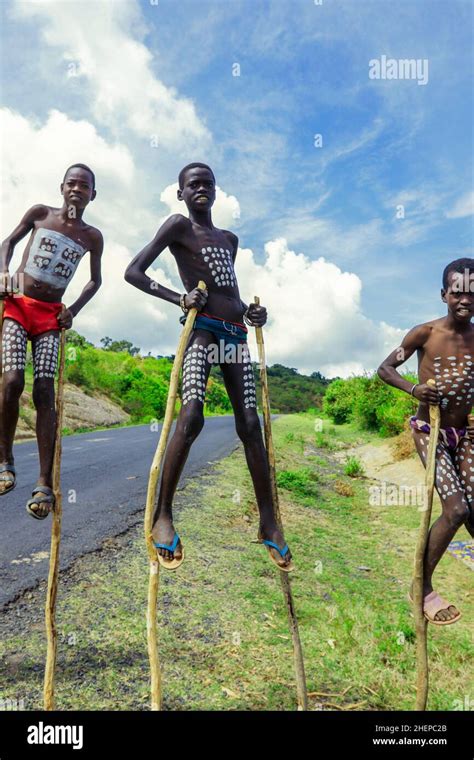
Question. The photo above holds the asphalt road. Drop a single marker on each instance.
(107, 474)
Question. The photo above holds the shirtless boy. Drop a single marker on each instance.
(59, 239)
(445, 350)
(203, 252)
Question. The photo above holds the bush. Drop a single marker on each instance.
(217, 400)
(144, 397)
(370, 403)
(371, 396)
(339, 398)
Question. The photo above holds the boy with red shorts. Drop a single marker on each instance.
(58, 241)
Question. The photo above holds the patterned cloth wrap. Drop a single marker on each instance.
(450, 436)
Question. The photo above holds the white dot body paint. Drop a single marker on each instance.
(454, 377)
(220, 265)
(195, 365)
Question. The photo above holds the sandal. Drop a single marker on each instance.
(170, 564)
(6, 478)
(432, 604)
(47, 498)
(282, 552)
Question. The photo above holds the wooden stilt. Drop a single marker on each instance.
(153, 582)
(421, 624)
(50, 610)
(301, 689)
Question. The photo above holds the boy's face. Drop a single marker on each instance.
(199, 189)
(459, 296)
(77, 188)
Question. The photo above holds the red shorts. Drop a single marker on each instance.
(35, 316)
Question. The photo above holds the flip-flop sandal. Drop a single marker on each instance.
(282, 552)
(6, 479)
(48, 492)
(435, 604)
(170, 564)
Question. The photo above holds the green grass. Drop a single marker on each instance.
(301, 482)
(224, 639)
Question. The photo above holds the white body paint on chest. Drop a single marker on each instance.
(221, 265)
(455, 379)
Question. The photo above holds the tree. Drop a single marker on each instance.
(74, 338)
(120, 346)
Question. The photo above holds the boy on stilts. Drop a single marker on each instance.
(445, 349)
(204, 252)
(59, 238)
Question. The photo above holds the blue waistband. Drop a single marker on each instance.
(221, 329)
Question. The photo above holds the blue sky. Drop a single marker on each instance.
(166, 70)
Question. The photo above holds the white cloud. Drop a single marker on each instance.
(464, 206)
(34, 164)
(96, 38)
(38, 154)
(315, 319)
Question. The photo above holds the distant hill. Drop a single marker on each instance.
(289, 390)
(292, 392)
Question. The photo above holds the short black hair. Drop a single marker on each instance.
(460, 266)
(195, 165)
(81, 166)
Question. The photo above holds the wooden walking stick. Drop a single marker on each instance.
(50, 611)
(421, 624)
(301, 689)
(153, 582)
